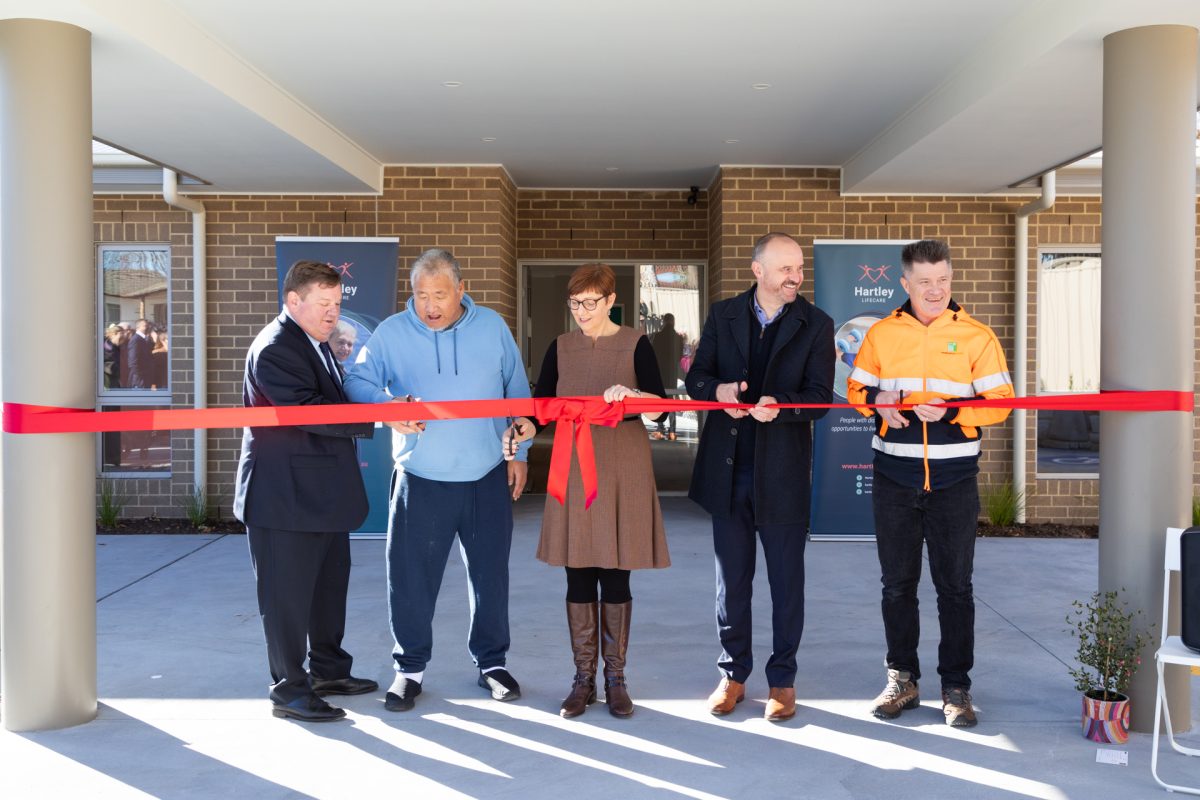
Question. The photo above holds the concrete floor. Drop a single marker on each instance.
(183, 709)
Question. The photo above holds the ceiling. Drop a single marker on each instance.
(272, 96)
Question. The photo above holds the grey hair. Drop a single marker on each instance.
(344, 326)
(435, 260)
(760, 246)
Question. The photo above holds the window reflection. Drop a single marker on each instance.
(135, 452)
(669, 313)
(135, 332)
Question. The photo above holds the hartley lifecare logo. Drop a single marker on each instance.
(348, 290)
(873, 275)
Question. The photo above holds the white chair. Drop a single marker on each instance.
(1171, 651)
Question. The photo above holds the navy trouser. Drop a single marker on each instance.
(424, 517)
(945, 521)
(302, 580)
(783, 549)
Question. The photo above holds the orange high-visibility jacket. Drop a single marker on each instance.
(955, 358)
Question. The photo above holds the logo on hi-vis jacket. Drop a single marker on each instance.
(951, 347)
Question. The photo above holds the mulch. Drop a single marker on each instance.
(1040, 530)
(145, 525)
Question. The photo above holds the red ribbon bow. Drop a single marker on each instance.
(575, 417)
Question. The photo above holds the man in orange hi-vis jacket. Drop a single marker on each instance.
(928, 352)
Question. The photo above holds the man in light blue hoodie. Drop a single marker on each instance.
(450, 477)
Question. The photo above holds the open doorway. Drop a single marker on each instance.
(665, 302)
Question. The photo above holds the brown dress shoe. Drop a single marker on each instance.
(781, 704)
(727, 695)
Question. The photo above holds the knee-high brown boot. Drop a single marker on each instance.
(583, 623)
(614, 642)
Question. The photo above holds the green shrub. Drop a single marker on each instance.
(109, 503)
(198, 507)
(1195, 509)
(1001, 502)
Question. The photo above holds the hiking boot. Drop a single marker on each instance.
(900, 694)
(956, 705)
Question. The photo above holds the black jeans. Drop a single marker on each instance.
(945, 520)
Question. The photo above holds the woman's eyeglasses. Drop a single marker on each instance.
(588, 303)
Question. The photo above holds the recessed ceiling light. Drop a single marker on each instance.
(732, 141)
(489, 138)
(452, 84)
(611, 169)
(761, 87)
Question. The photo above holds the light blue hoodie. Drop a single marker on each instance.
(474, 359)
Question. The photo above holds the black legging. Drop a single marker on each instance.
(582, 582)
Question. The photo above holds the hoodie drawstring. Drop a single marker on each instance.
(437, 348)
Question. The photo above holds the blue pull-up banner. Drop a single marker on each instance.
(857, 283)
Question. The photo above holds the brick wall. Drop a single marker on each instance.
(805, 203)
(576, 224)
(490, 224)
(468, 210)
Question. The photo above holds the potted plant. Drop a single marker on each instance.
(1110, 649)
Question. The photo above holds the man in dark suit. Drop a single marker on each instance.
(767, 345)
(299, 491)
(138, 355)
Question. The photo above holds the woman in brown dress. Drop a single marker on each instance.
(623, 528)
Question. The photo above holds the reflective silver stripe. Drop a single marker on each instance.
(907, 384)
(865, 378)
(951, 388)
(936, 451)
(993, 381)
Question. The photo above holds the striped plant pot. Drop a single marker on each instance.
(1106, 721)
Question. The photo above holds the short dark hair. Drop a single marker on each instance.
(926, 251)
(593, 277)
(761, 244)
(304, 274)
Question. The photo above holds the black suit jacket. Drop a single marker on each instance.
(141, 369)
(298, 477)
(799, 370)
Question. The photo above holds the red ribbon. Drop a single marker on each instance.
(580, 413)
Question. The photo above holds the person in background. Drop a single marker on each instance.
(668, 350)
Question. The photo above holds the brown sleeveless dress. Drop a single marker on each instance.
(623, 529)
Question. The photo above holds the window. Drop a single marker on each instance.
(133, 353)
(1068, 359)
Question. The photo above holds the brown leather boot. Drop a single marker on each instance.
(582, 622)
(614, 619)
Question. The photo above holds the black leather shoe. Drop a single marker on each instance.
(309, 708)
(402, 696)
(501, 684)
(347, 685)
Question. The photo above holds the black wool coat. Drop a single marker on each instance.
(799, 370)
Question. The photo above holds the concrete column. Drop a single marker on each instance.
(47, 277)
(1149, 288)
